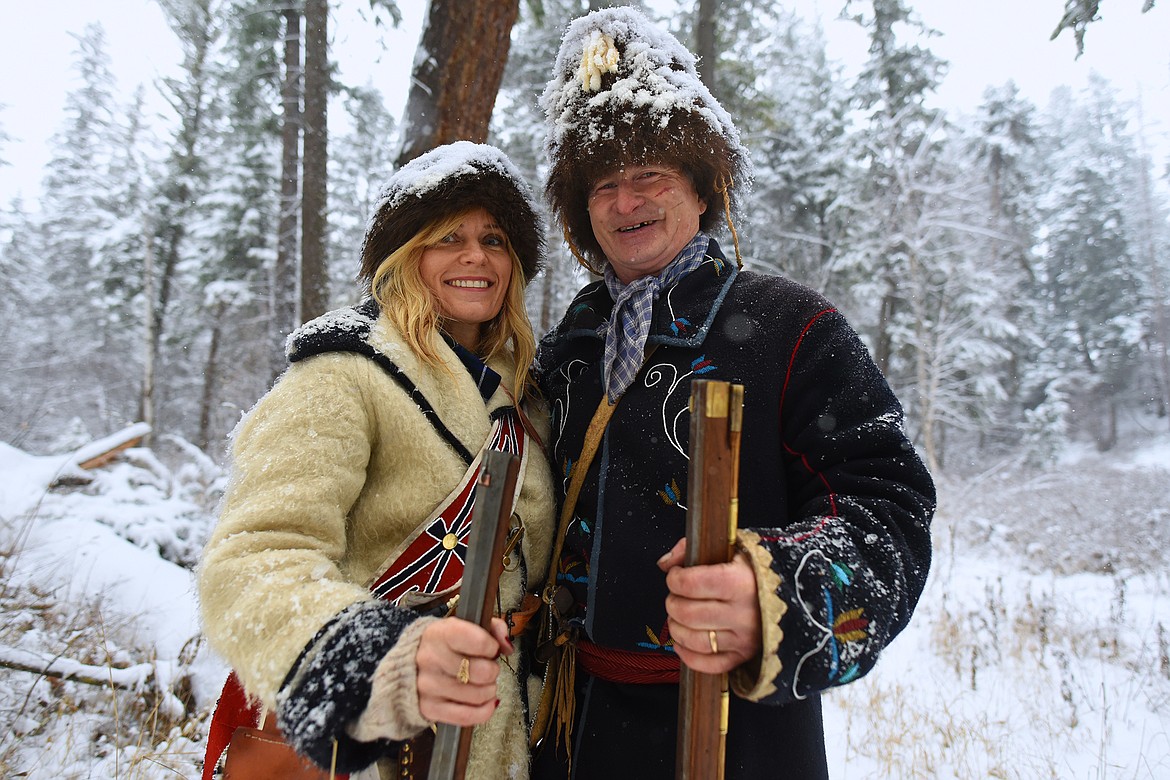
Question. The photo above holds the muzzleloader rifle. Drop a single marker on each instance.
(712, 517)
(481, 576)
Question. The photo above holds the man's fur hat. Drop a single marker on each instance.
(626, 92)
(447, 180)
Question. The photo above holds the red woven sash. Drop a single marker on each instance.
(627, 666)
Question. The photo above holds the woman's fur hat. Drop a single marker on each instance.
(626, 92)
(446, 180)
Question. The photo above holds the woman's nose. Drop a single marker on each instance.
(474, 254)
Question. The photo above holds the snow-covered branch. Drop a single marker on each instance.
(132, 678)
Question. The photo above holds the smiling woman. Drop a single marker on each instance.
(372, 435)
(468, 270)
(461, 274)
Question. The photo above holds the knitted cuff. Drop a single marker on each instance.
(392, 711)
(330, 684)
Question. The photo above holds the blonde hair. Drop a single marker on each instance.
(410, 305)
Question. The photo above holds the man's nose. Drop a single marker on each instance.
(628, 197)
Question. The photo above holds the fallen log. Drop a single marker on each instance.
(96, 454)
(100, 452)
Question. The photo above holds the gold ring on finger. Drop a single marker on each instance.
(714, 640)
(464, 675)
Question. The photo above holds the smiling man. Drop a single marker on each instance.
(642, 217)
(834, 504)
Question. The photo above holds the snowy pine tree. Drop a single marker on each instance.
(803, 154)
(360, 164)
(1003, 143)
(87, 369)
(892, 258)
(1090, 281)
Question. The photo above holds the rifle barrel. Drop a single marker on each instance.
(712, 517)
(481, 576)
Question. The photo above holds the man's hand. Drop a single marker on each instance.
(719, 598)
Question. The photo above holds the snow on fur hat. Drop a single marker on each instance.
(447, 180)
(625, 92)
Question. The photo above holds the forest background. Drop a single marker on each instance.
(1008, 266)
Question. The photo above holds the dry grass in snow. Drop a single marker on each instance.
(1039, 649)
(1040, 646)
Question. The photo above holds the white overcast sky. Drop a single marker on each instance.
(985, 41)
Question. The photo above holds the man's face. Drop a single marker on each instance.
(643, 216)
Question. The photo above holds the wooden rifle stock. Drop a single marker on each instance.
(712, 517)
(477, 595)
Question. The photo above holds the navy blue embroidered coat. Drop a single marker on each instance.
(834, 512)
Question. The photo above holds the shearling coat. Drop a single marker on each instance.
(834, 512)
(331, 470)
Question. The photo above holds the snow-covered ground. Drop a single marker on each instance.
(96, 582)
(1039, 650)
(1041, 646)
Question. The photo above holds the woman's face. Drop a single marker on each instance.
(468, 272)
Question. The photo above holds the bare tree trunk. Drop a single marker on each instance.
(463, 49)
(285, 277)
(548, 294)
(197, 26)
(1161, 329)
(314, 273)
(705, 43)
(884, 348)
(146, 411)
(926, 369)
(1160, 324)
(171, 238)
(210, 374)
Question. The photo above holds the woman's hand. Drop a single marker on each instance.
(713, 611)
(449, 690)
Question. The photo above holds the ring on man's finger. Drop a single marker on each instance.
(464, 675)
(714, 640)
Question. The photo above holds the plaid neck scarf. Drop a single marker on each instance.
(629, 325)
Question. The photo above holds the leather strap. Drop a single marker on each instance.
(589, 447)
(593, 436)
